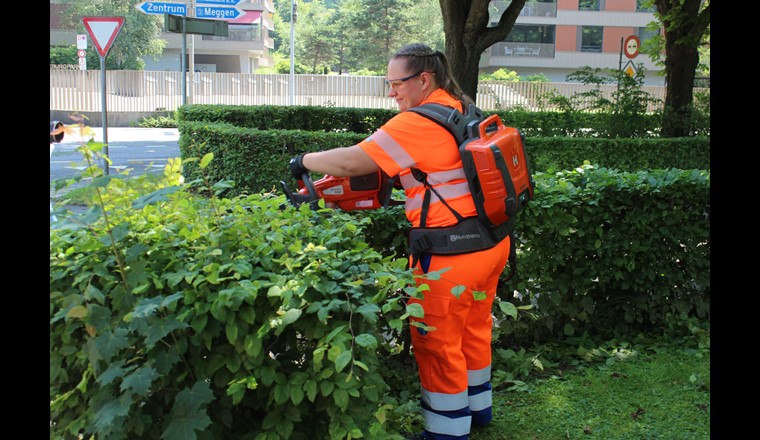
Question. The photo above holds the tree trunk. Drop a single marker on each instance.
(465, 24)
(684, 26)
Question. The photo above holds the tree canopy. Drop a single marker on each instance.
(140, 36)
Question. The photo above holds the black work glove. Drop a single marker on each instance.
(296, 167)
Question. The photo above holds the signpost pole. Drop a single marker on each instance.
(620, 67)
(182, 64)
(103, 32)
(104, 112)
(291, 81)
(191, 70)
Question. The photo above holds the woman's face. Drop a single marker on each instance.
(407, 88)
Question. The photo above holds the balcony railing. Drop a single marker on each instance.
(511, 49)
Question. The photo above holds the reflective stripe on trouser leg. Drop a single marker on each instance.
(460, 342)
(446, 415)
(479, 393)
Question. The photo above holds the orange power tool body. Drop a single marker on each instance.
(370, 191)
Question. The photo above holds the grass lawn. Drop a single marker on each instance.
(660, 393)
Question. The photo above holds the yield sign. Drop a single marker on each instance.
(103, 31)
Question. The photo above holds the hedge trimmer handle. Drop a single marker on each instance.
(310, 196)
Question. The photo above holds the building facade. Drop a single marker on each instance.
(558, 37)
(244, 50)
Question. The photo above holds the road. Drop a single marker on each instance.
(141, 150)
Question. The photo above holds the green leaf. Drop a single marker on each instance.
(334, 332)
(139, 381)
(369, 312)
(103, 181)
(290, 316)
(457, 290)
(161, 328)
(159, 195)
(569, 329)
(236, 391)
(109, 343)
(231, 330)
(479, 295)
(508, 309)
(182, 426)
(341, 398)
(93, 293)
(415, 310)
(296, 395)
(366, 340)
(326, 387)
(77, 312)
(206, 160)
(342, 360)
(145, 307)
(361, 365)
(252, 345)
(106, 417)
(186, 415)
(113, 371)
(311, 390)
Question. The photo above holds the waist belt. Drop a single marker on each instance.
(469, 235)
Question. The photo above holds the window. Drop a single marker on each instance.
(591, 38)
(588, 5)
(645, 34)
(523, 33)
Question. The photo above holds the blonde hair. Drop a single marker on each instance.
(421, 58)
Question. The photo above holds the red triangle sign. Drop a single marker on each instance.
(103, 31)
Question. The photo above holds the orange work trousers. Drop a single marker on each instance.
(454, 358)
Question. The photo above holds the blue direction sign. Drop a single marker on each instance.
(218, 12)
(161, 8)
(218, 2)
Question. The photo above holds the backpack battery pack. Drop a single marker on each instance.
(500, 180)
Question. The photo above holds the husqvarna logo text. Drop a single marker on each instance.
(455, 237)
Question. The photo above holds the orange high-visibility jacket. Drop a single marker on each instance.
(409, 140)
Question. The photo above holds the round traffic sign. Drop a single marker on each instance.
(81, 53)
(631, 46)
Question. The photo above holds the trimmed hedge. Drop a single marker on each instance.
(613, 252)
(564, 153)
(272, 117)
(257, 160)
(366, 120)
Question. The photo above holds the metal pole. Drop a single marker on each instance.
(292, 81)
(620, 69)
(182, 62)
(191, 70)
(104, 112)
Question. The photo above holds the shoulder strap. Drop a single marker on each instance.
(461, 126)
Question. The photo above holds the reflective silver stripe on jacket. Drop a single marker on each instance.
(448, 192)
(392, 148)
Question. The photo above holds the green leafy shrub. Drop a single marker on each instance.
(613, 252)
(182, 317)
